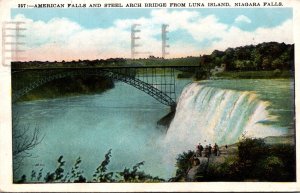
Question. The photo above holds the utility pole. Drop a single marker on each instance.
(11, 34)
(134, 37)
(164, 39)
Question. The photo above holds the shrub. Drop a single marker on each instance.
(183, 164)
(101, 174)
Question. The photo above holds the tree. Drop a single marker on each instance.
(183, 164)
(228, 59)
(266, 63)
(239, 64)
(277, 64)
(24, 139)
(257, 59)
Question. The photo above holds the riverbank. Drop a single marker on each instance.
(71, 86)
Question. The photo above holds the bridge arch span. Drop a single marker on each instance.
(115, 75)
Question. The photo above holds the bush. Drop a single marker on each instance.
(269, 169)
(101, 174)
(183, 164)
(251, 150)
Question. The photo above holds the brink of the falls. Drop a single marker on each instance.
(212, 115)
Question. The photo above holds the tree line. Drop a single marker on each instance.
(264, 56)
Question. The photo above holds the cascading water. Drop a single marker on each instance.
(208, 115)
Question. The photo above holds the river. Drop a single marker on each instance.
(124, 119)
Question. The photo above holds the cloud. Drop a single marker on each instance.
(63, 39)
(56, 30)
(235, 37)
(242, 19)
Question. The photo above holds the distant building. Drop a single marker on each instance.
(217, 69)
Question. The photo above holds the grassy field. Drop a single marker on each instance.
(255, 74)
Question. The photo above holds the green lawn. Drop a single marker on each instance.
(255, 74)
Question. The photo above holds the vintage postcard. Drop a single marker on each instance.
(154, 96)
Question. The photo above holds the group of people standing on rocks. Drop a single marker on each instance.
(208, 150)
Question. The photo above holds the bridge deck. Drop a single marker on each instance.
(101, 67)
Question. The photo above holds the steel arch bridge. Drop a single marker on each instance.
(156, 81)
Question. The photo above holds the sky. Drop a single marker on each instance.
(72, 34)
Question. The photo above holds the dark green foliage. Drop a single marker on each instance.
(134, 175)
(270, 169)
(264, 56)
(255, 161)
(185, 75)
(58, 174)
(33, 175)
(183, 164)
(252, 149)
(73, 63)
(77, 174)
(59, 170)
(131, 175)
(229, 170)
(49, 177)
(68, 86)
(22, 180)
(266, 162)
(287, 154)
(40, 175)
(101, 175)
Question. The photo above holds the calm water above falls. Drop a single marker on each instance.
(124, 119)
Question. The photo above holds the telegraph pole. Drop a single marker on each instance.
(164, 39)
(134, 45)
(134, 37)
(11, 34)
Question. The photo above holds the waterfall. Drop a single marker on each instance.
(208, 115)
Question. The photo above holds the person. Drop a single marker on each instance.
(226, 149)
(216, 149)
(209, 149)
(195, 161)
(206, 151)
(199, 149)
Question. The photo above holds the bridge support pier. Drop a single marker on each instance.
(167, 119)
(173, 107)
